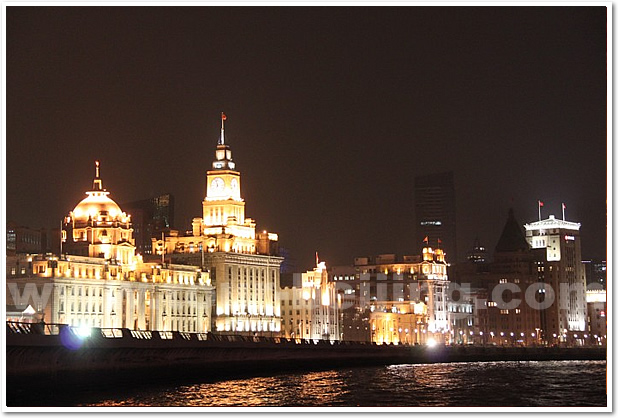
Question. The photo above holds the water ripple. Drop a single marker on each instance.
(547, 383)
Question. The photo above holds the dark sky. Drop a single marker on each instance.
(332, 112)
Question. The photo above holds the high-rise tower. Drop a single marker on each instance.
(559, 263)
(434, 197)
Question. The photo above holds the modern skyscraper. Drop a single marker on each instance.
(150, 218)
(434, 197)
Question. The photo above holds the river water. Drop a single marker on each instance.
(511, 383)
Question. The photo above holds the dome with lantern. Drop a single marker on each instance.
(97, 227)
(98, 205)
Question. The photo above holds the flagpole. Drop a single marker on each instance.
(563, 206)
(163, 252)
(222, 129)
(539, 210)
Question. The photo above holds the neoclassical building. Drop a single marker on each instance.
(243, 263)
(407, 297)
(310, 309)
(97, 227)
(99, 280)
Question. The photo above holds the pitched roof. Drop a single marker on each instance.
(512, 238)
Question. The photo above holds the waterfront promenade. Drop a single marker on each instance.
(66, 354)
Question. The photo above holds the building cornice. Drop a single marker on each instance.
(552, 223)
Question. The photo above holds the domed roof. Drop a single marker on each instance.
(97, 203)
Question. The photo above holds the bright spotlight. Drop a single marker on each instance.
(431, 342)
(83, 331)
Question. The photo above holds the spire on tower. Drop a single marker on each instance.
(222, 139)
(223, 153)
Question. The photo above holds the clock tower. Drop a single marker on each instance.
(223, 204)
(243, 264)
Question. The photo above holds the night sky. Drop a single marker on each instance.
(331, 113)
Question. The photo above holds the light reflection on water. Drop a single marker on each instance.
(554, 383)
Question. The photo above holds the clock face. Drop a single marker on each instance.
(217, 185)
(234, 184)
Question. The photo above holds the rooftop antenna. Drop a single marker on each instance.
(61, 222)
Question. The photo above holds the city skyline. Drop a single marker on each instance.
(328, 138)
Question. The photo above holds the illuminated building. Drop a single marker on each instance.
(557, 246)
(97, 227)
(311, 310)
(405, 323)
(468, 316)
(390, 285)
(90, 291)
(243, 263)
(596, 301)
(434, 204)
(99, 281)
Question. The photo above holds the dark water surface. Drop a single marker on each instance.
(511, 383)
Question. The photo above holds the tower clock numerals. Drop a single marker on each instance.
(234, 184)
(217, 185)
